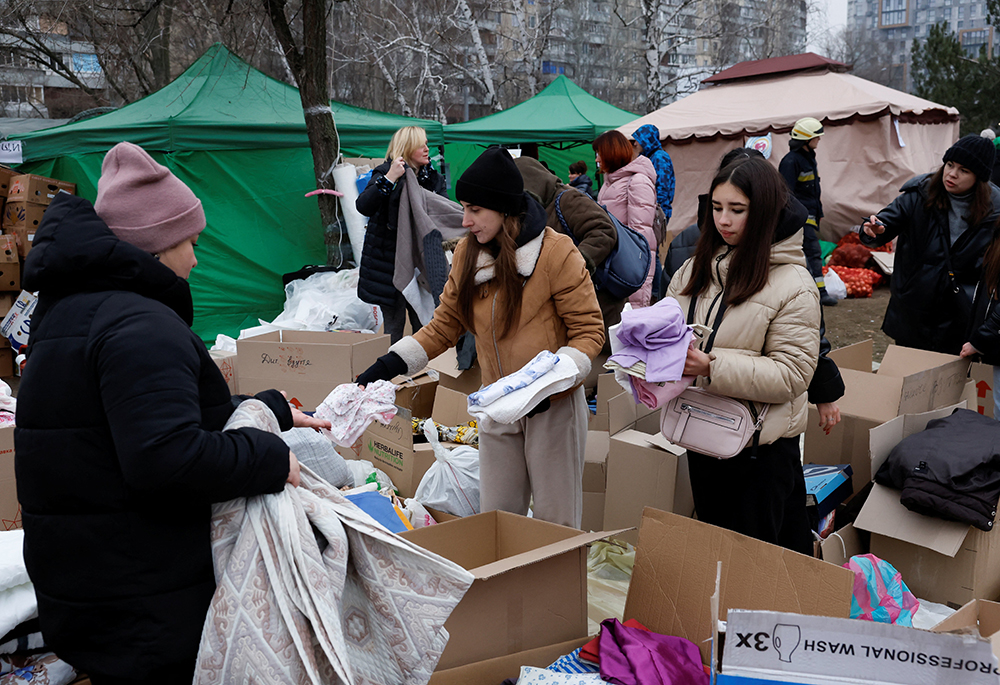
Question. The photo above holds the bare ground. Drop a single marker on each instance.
(854, 320)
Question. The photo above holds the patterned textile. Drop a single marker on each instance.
(572, 663)
(517, 398)
(37, 669)
(531, 372)
(351, 409)
(314, 450)
(312, 590)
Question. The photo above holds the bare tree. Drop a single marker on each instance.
(869, 56)
(307, 57)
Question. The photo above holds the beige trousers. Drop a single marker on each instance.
(540, 456)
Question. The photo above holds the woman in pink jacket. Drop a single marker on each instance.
(629, 192)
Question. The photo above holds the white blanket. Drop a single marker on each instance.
(312, 590)
(17, 594)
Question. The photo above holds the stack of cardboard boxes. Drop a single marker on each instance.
(27, 197)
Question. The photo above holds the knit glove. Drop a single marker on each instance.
(385, 368)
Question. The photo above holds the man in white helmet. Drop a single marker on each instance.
(798, 168)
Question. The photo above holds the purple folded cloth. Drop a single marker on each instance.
(658, 335)
(630, 656)
(656, 395)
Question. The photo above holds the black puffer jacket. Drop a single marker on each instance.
(922, 310)
(951, 469)
(119, 450)
(378, 259)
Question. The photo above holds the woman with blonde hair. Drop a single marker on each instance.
(520, 288)
(380, 202)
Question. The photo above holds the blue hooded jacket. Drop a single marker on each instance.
(648, 136)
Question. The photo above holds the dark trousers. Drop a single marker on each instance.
(179, 673)
(763, 497)
(814, 254)
(394, 318)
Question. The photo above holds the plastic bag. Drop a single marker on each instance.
(223, 343)
(451, 484)
(879, 594)
(418, 514)
(327, 301)
(365, 472)
(835, 287)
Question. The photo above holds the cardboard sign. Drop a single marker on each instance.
(820, 650)
(10, 152)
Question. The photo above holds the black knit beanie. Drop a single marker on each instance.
(493, 181)
(975, 153)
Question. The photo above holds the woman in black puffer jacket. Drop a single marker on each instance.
(120, 451)
(380, 202)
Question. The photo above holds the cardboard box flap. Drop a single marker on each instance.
(884, 515)
(551, 550)
(870, 395)
(882, 439)
(841, 545)
(446, 363)
(906, 361)
(978, 617)
(857, 356)
(658, 440)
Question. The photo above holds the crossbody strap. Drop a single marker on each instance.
(562, 219)
(721, 297)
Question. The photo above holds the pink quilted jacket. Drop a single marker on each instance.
(630, 194)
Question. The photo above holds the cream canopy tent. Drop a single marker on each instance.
(876, 137)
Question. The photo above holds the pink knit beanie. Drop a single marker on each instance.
(143, 203)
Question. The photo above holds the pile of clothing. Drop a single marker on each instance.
(623, 653)
(23, 655)
(950, 470)
(512, 397)
(648, 351)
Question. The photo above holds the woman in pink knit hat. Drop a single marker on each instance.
(119, 447)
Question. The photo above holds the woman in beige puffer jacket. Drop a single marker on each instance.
(765, 351)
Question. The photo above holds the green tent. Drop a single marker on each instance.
(563, 119)
(238, 138)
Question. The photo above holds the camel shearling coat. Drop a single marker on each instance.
(766, 348)
(558, 309)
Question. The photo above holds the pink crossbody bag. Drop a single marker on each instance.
(714, 425)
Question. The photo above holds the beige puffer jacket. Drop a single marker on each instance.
(766, 348)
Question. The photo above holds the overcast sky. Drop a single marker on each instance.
(832, 17)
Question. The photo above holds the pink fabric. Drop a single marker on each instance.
(143, 203)
(630, 194)
(656, 395)
(630, 656)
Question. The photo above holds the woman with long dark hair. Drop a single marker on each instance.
(520, 288)
(944, 222)
(380, 201)
(749, 261)
(629, 192)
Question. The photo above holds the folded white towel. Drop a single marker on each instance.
(516, 405)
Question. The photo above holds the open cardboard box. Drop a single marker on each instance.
(908, 381)
(530, 588)
(416, 393)
(595, 480)
(675, 569)
(392, 449)
(226, 361)
(979, 617)
(494, 671)
(644, 470)
(941, 561)
(449, 376)
(308, 365)
(10, 510)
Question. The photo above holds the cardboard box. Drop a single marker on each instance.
(841, 545)
(982, 379)
(908, 381)
(10, 276)
(24, 215)
(308, 365)
(10, 510)
(676, 563)
(6, 362)
(645, 471)
(491, 671)
(771, 646)
(417, 393)
(607, 388)
(978, 617)
(6, 175)
(37, 189)
(942, 561)
(595, 480)
(391, 448)
(8, 249)
(826, 487)
(530, 589)
(226, 361)
(7, 300)
(465, 382)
